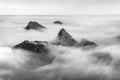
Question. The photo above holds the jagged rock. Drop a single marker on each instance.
(34, 46)
(64, 39)
(58, 22)
(40, 55)
(34, 25)
(86, 43)
(102, 58)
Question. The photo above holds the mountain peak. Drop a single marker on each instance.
(34, 25)
(62, 32)
(64, 38)
(38, 50)
(34, 46)
(58, 22)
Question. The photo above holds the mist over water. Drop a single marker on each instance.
(70, 63)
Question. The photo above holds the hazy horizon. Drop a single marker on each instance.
(60, 7)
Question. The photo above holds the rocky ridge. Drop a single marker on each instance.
(34, 25)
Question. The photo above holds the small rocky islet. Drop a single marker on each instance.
(34, 26)
(34, 46)
(58, 22)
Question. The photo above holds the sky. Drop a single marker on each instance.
(59, 7)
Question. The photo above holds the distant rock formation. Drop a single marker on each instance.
(34, 25)
(34, 46)
(40, 53)
(64, 39)
(86, 43)
(57, 22)
(102, 58)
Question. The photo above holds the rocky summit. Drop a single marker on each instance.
(86, 43)
(64, 39)
(40, 53)
(34, 25)
(57, 22)
(34, 46)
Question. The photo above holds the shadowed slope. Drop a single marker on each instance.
(34, 46)
(34, 26)
(64, 39)
(39, 52)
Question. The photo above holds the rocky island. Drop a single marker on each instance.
(65, 39)
(35, 26)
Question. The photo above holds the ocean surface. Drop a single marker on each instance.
(73, 64)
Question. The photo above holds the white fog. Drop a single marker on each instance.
(70, 63)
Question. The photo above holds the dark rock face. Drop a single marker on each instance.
(41, 53)
(85, 43)
(34, 46)
(34, 25)
(64, 39)
(58, 22)
(102, 58)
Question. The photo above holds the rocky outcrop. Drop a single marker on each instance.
(34, 25)
(64, 38)
(57, 22)
(40, 54)
(34, 46)
(86, 43)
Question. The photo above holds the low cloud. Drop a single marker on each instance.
(69, 62)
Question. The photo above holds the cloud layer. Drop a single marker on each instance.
(69, 62)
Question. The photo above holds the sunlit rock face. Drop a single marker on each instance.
(34, 25)
(57, 22)
(39, 52)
